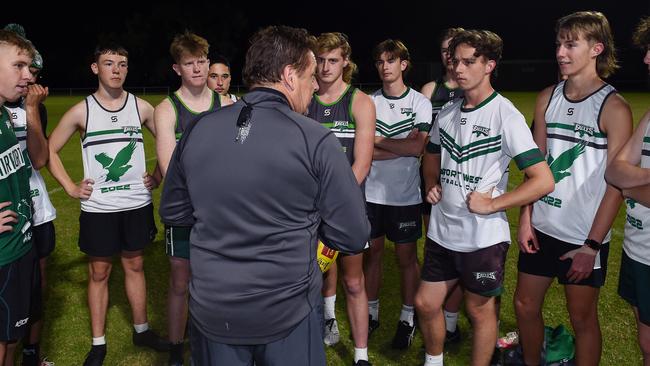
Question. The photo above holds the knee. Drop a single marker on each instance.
(135, 265)
(179, 285)
(100, 275)
(425, 307)
(480, 314)
(354, 285)
(525, 307)
(585, 320)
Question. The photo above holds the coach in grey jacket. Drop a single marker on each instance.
(259, 183)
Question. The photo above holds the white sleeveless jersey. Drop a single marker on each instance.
(476, 146)
(396, 182)
(637, 224)
(113, 156)
(44, 211)
(576, 152)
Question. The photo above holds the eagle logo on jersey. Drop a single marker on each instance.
(406, 111)
(564, 161)
(480, 130)
(630, 202)
(582, 130)
(130, 130)
(119, 165)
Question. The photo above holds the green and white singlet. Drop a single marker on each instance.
(637, 224)
(396, 182)
(184, 115)
(576, 152)
(113, 156)
(44, 211)
(475, 147)
(15, 169)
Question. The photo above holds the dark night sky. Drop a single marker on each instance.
(527, 29)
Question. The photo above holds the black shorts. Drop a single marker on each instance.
(546, 262)
(400, 224)
(480, 272)
(107, 234)
(20, 300)
(44, 239)
(633, 286)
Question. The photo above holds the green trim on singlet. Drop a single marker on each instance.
(572, 128)
(191, 111)
(486, 101)
(175, 113)
(108, 132)
(433, 148)
(646, 139)
(336, 101)
(19, 129)
(354, 92)
(408, 89)
(529, 158)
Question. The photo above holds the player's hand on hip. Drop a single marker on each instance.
(149, 181)
(527, 239)
(7, 218)
(481, 202)
(582, 264)
(434, 194)
(83, 190)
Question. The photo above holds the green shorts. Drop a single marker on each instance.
(633, 286)
(177, 241)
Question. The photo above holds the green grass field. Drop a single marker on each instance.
(66, 337)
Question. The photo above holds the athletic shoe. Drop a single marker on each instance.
(332, 335)
(372, 325)
(96, 356)
(175, 354)
(403, 335)
(452, 337)
(45, 362)
(362, 363)
(150, 339)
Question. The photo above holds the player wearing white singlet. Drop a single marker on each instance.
(466, 174)
(116, 210)
(580, 124)
(392, 189)
(630, 172)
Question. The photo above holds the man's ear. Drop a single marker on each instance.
(177, 69)
(289, 77)
(490, 65)
(403, 64)
(95, 68)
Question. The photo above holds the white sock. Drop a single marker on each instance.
(360, 354)
(373, 309)
(329, 306)
(139, 328)
(451, 321)
(98, 341)
(432, 360)
(407, 314)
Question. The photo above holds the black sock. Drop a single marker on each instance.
(176, 353)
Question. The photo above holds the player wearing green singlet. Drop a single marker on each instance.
(630, 172)
(580, 125)
(19, 274)
(350, 115)
(172, 117)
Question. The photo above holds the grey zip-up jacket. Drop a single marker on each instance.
(257, 206)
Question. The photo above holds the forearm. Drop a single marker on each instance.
(527, 192)
(55, 166)
(381, 154)
(430, 169)
(624, 175)
(606, 214)
(37, 146)
(401, 147)
(360, 170)
(640, 194)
